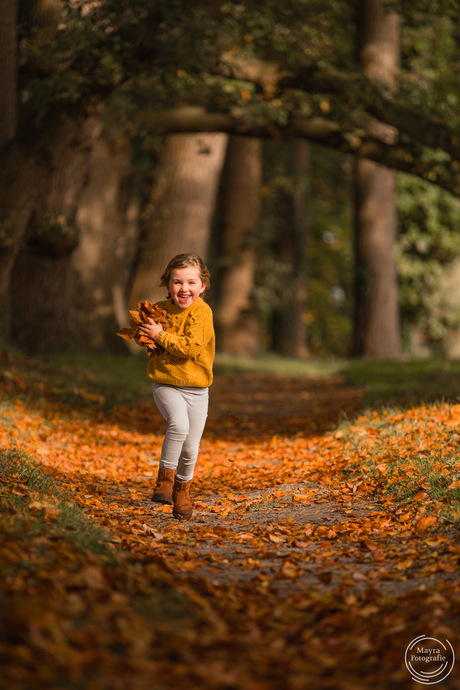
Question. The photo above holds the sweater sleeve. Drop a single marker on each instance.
(197, 333)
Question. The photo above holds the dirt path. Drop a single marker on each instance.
(294, 572)
(306, 578)
(256, 521)
(290, 539)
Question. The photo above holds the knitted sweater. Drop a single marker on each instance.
(189, 347)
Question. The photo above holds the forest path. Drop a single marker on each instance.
(258, 516)
(298, 568)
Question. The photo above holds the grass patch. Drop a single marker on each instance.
(122, 380)
(406, 382)
(110, 373)
(95, 381)
(130, 372)
(276, 365)
(439, 480)
(384, 383)
(32, 506)
(410, 454)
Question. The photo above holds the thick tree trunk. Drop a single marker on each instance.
(107, 219)
(290, 325)
(377, 327)
(79, 235)
(8, 70)
(67, 223)
(23, 185)
(236, 318)
(24, 170)
(179, 214)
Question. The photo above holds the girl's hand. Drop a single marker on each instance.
(151, 328)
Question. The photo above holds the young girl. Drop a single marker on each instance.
(181, 372)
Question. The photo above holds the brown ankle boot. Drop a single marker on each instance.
(181, 497)
(164, 486)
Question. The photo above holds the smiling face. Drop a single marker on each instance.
(185, 286)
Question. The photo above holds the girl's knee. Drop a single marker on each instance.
(178, 430)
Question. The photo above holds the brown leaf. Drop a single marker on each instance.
(127, 333)
(425, 523)
(138, 317)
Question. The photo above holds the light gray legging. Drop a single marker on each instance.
(185, 410)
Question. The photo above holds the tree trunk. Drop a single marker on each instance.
(238, 330)
(24, 167)
(108, 222)
(179, 214)
(289, 322)
(8, 70)
(67, 222)
(79, 234)
(452, 280)
(23, 184)
(377, 326)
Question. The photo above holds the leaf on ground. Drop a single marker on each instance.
(315, 553)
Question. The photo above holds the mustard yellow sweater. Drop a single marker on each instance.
(189, 347)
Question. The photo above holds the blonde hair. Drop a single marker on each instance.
(183, 261)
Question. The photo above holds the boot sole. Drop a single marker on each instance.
(182, 516)
(162, 498)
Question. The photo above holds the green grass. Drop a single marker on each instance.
(272, 364)
(405, 382)
(113, 372)
(23, 484)
(434, 481)
(386, 382)
(427, 478)
(413, 457)
(383, 382)
(130, 372)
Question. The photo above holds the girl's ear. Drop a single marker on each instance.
(203, 288)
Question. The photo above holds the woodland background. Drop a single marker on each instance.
(308, 150)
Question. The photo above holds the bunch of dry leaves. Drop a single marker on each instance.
(140, 316)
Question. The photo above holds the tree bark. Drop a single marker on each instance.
(107, 218)
(376, 322)
(23, 183)
(289, 322)
(70, 231)
(179, 213)
(237, 323)
(452, 280)
(8, 70)
(24, 167)
(78, 233)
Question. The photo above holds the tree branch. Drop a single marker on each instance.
(406, 157)
(359, 92)
(379, 103)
